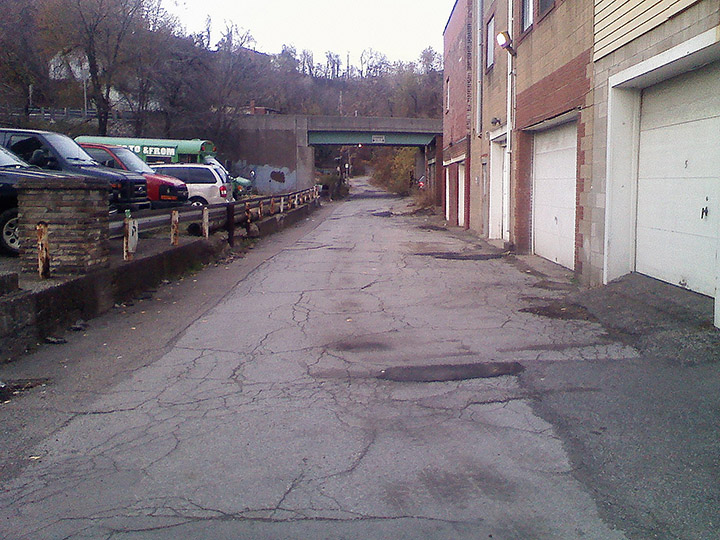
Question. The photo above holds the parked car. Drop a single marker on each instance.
(13, 169)
(206, 184)
(163, 191)
(57, 152)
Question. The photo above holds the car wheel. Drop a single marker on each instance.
(198, 201)
(9, 237)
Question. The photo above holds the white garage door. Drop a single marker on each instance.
(678, 214)
(554, 187)
(461, 195)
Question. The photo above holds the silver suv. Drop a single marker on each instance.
(206, 184)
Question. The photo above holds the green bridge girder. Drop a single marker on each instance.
(347, 138)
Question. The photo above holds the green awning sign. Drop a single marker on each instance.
(154, 151)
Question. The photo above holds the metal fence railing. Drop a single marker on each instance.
(208, 218)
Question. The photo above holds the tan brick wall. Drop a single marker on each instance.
(76, 212)
(562, 35)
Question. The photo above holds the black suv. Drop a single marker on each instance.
(13, 169)
(57, 152)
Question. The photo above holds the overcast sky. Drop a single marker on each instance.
(400, 29)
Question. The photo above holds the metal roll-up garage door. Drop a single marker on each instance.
(678, 206)
(554, 194)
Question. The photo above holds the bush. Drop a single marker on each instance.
(336, 186)
(393, 169)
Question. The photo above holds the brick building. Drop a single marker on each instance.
(456, 113)
(533, 135)
(594, 135)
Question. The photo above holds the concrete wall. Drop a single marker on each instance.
(275, 147)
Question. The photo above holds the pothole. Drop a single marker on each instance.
(561, 311)
(450, 372)
(452, 256)
(552, 285)
(432, 228)
(382, 214)
(14, 387)
(361, 346)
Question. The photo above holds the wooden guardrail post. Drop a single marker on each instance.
(130, 239)
(260, 210)
(272, 206)
(174, 228)
(230, 223)
(43, 250)
(206, 222)
(282, 204)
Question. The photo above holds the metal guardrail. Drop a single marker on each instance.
(52, 113)
(220, 216)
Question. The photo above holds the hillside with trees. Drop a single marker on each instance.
(132, 63)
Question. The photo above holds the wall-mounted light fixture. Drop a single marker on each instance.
(505, 41)
(495, 121)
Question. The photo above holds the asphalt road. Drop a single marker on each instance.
(249, 400)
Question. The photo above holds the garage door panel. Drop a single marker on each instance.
(676, 206)
(688, 253)
(681, 151)
(678, 196)
(548, 165)
(664, 105)
(554, 194)
(559, 195)
(549, 142)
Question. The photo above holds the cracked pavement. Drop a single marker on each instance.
(263, 416)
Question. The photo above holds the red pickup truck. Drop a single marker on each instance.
(163, 191)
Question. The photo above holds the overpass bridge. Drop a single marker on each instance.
(349, 130)
(279, 149)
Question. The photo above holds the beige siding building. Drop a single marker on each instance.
(655, 191)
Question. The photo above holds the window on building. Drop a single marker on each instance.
(544, 6)
(490, 43)
(528, 12)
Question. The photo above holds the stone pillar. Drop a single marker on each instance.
(75, 210)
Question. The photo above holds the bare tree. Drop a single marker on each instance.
(22, 64)
(333, 65)
(100, 30)
(307, 63)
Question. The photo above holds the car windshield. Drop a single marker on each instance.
(132, 161)
(222, 172)
(69, 149)
(8, 159)
(215, 164)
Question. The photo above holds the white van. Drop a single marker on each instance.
(206, 184)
